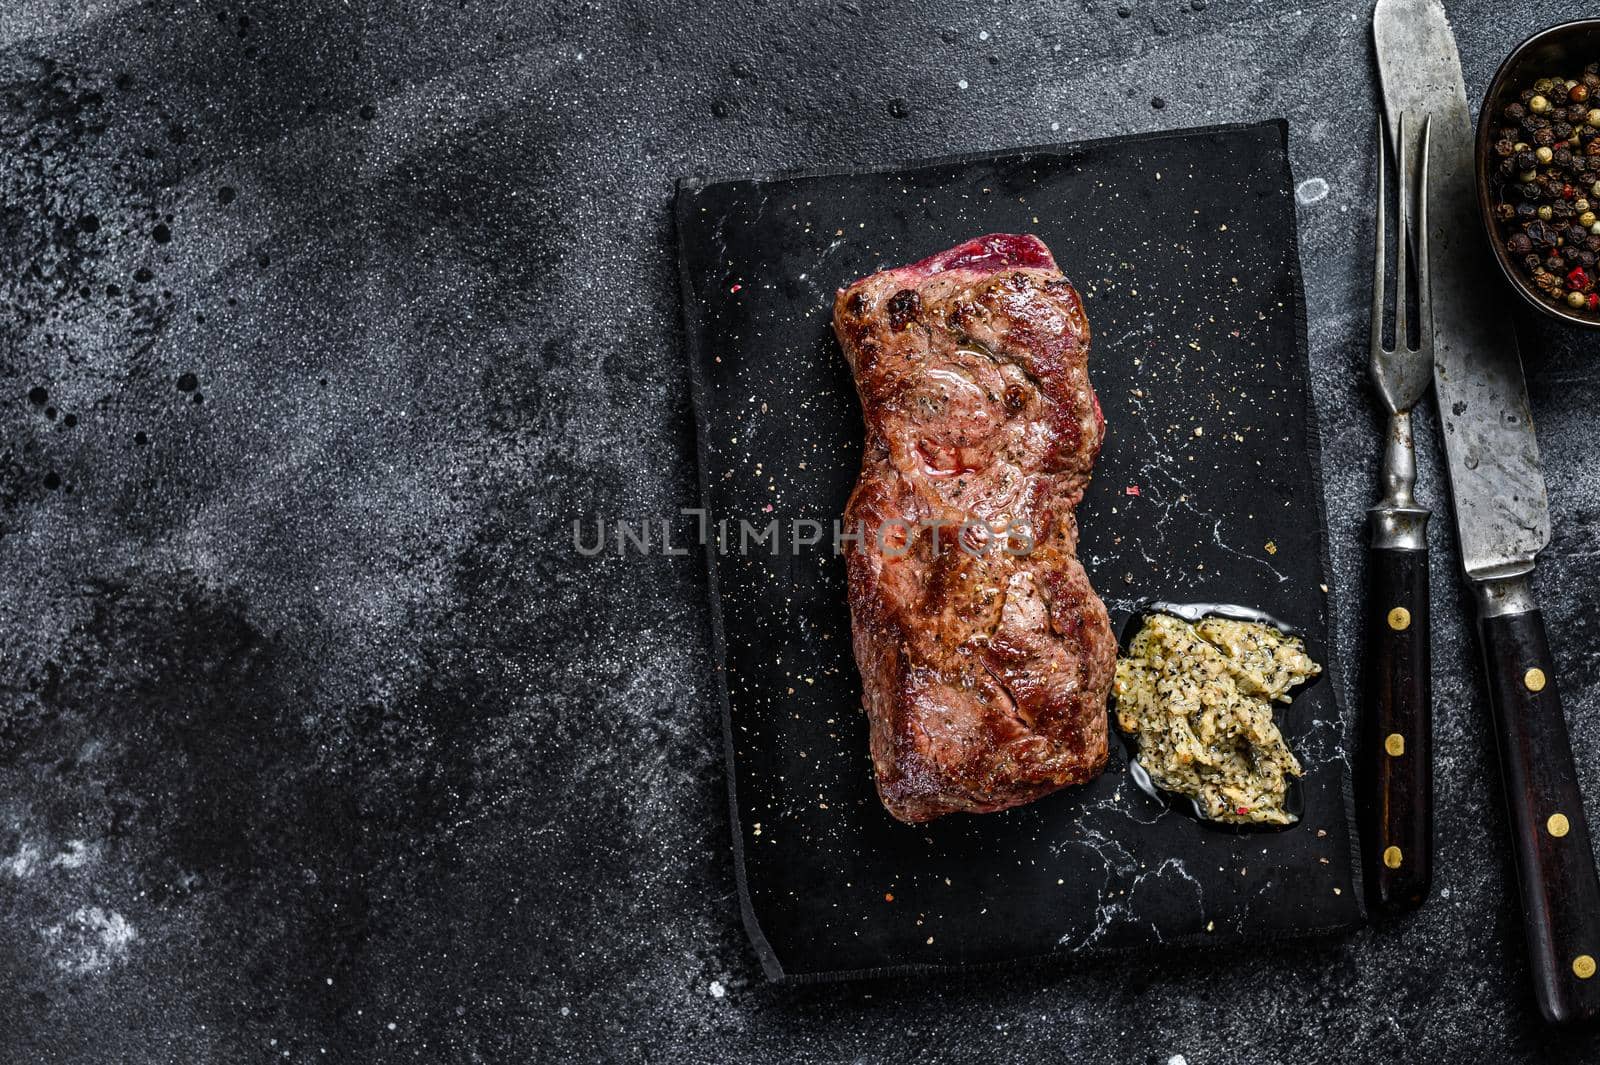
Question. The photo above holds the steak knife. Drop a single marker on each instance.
(1502, 517)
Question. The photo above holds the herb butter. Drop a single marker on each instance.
(1198, 697)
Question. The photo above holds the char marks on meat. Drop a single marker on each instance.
(985, 665)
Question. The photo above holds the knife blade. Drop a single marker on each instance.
(1502, 515)
(1483, 400)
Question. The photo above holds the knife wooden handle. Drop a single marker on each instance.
(1396, 792)
(1550, 835)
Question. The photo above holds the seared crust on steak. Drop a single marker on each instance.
(985, 672)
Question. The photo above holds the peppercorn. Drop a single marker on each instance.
(1577, 300)
(1546, 157)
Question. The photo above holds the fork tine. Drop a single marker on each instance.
(1424, 282)
(1380, 264)
(1402, 233)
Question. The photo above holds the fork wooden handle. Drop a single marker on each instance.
(1396, 774)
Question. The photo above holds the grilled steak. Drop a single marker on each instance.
(985, 665)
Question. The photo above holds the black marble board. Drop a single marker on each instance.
(1208, 490)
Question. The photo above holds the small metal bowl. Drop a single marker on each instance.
(1566, 49)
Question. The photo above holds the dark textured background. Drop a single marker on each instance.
(321, 320)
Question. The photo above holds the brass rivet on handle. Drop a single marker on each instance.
(1534, 679)
(1558, 825)
(1392, 857)
(1399, 619)
(1583, 966)
(1395, 744)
